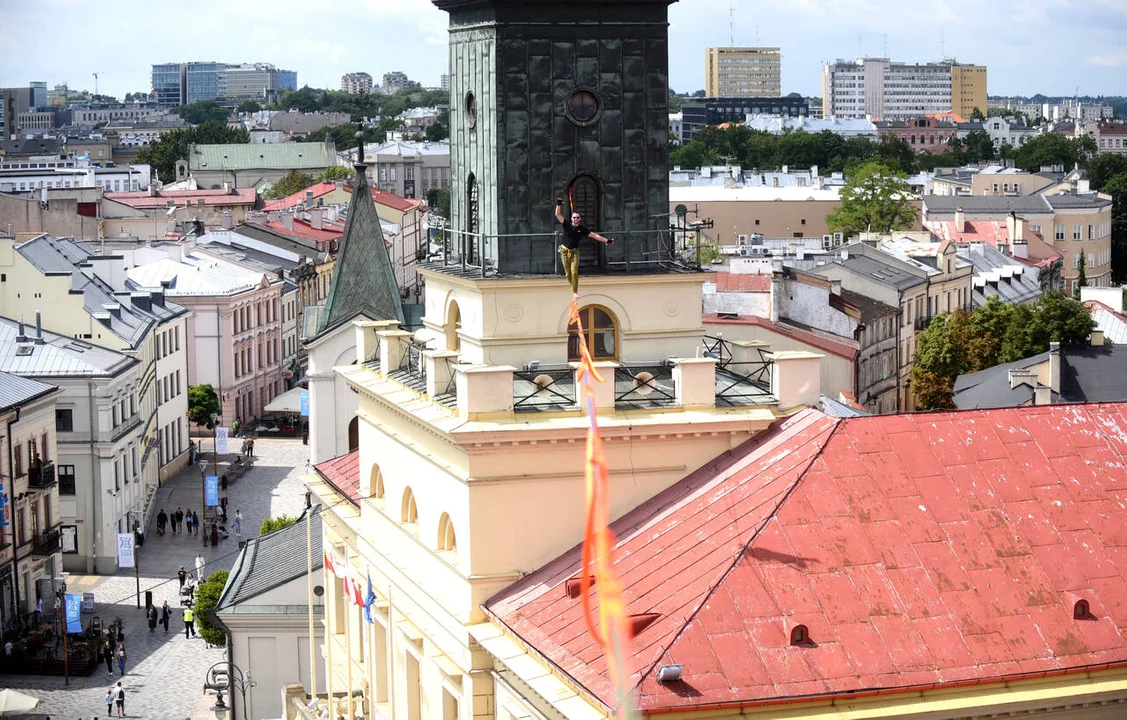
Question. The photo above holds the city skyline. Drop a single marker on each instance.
(410, 35)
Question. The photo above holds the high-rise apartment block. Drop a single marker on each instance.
(743, 72)
(356, 82)
(880, 89)
(444, 82)
(394, 81)
(176, 84)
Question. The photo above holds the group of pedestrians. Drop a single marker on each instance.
(161, 616)
(176, 521)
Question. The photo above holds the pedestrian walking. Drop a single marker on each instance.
(191, 452)
(38, 612)
(165, 614)
(189, 621)
(182, 575)
(201, 565)
(152, 616)
(162, 520)
(179, 520)
(235, 426)
(120, 691)
(250, 447)
(238, 523)
(214, 533)
(243, 447)
(107, 656)
(109, 702)
(121, 658)
(196, 523)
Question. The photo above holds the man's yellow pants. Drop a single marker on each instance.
(570, 260)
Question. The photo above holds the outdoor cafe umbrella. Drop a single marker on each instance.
(287, 402)
(16, 703)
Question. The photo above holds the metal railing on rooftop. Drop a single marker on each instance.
(644, 386)
(543, 389)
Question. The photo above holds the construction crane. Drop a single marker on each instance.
(96, 81)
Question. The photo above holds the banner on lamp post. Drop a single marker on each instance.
(125, 549)
(221, 435)
(211, 490)
(74, 612)
(305, 403)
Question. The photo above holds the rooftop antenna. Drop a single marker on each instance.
(732, 23)
(942, 46)
(860, 48)
(885, 46)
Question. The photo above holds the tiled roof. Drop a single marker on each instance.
(733, 282)
(269, 561)
(318, 190)
(16, 390)
(241, 196)
(263, 156)
(303, 230)
(1112, 323)
(343, 473)
(919, 551)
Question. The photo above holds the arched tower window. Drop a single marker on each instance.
(473, 220)
(453, 325)
(601, 330)
(446, 538)
(375, 483)
(586, 200)
(410, 513)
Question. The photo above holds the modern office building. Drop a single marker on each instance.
(719, 110)
(176, 84)
(356, 82)
(880, 89)
(743, 72)
(8, 115)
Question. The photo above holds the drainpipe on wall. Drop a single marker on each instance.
(92, 561)
(12, 521)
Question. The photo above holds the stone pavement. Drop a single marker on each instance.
(165, 673)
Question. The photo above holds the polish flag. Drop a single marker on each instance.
(355, 592)
(331, 561)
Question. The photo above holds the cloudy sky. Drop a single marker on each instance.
(1030, 46)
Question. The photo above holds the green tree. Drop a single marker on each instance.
(203, 405)
(207, 597)
(204, 111)
(336, 172)
(1082, 276)
(875, 199)
(1061, 319)
(163, 154)
(1116, 187)
(1047, 149)
(440, 130)
(976, 115)
(979, 146)
(292, 182)
(1104, 167)
(269, 525)
(249, 106)
(439, 201)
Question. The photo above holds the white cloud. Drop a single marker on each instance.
(1112, 60)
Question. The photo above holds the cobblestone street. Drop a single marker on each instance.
(165, 673)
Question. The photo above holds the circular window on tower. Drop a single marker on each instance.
(583, 107)
(471, 111)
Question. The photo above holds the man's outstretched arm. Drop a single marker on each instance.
(559, 210)
(596, 236)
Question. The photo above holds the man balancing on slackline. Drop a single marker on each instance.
(574, 230)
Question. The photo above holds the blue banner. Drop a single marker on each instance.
(304, 403)
(74, 613)
(211, 490)
(3, 505)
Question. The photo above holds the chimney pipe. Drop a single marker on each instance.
(960, 221)
(287, 221)
(227, 222)
(315, 218)
(38, 328)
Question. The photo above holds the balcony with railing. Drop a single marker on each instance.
(41, 475)
(48, 542)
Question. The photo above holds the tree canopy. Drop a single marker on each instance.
(207, 597)
(1116, 187)
(1051, 149)
(203, 405)
(292, 182)
(336, 172)
(269, 525)
(361, 105)
(996, 333)
(1104, 167)
(875, 198)
(249, 106)
(163, 154)
(204, 111)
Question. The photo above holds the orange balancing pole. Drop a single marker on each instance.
(598, 543)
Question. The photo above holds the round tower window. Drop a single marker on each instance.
(471, 111)
(583, 107)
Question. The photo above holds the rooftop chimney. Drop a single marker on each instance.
(1020, 249)
(1097, 336)
(39, 328)
(227, 221)
(21, 336)
(315, 218)
(1054, 366)
(287, 221)
(960, 220)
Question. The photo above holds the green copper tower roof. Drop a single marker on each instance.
(363, 280)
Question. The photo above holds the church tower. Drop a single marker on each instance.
(554, 99)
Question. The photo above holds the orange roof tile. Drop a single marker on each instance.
(343, 474)
(241, 196)
(920, 551)
(734, 282)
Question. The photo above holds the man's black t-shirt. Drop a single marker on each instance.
(573, 233)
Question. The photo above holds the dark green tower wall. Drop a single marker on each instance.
(522, 61)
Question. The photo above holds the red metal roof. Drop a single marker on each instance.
(735, 282)
(343, 474)
(919, 550)
(142, 199)
(304, 230)
(381, 197)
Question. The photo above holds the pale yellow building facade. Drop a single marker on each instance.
(743, 72)
(968, 90)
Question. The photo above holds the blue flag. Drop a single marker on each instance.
(369, 601)
(74, 612)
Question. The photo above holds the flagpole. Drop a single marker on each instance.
(312, 632)
(348, 624)
(330, 632)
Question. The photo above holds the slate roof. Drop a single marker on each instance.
(130, 321)
(990, 388)
(874, 269)
(1091, 200)
(58, 356)
(979, 204)
(30, 146)
(270, 561)
(263, 156)
(997, 275)
(1093, 374)
(920, 551)
(871, 310)
(16, 390)
(363, 280)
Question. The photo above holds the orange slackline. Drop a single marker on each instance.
(611, 632)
